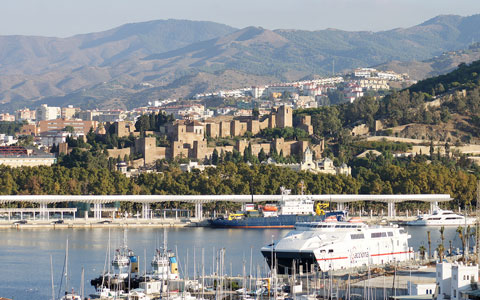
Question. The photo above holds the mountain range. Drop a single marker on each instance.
(136, 63)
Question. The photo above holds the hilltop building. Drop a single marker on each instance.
(68, 113)
(320, 166)
(15, 156)
(25, 115)
(45, 112)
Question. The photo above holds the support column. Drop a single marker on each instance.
(340, 206)
(199, 211)
(145, 210)
(391, 209)
(61, 215)
(97, 211)
(21, 215)
(43, 210)
(433, 206)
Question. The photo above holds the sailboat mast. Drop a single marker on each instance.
(66, 267)
(82, 284)
(203, 272)
(250, 275)
(51, 274)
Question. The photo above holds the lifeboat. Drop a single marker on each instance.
(355, 220)
(270, 208)
(331, 219)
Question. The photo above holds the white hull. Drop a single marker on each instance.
(441, 218)
(470, 221)
(339, 246)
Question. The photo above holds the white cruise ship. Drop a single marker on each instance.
(338, 245)
(441, 218)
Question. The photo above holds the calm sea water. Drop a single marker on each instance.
(25, 254)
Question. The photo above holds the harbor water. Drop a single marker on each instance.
(25, 254)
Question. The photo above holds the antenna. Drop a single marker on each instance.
(165, 240)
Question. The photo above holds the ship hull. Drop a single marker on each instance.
(430, 223)
(284, 261)
(281, 221)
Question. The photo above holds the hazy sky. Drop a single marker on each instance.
(69, 17)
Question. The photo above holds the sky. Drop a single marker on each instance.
(64, 18)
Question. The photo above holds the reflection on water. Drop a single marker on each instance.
(25, 254)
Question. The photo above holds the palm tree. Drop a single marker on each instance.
(429, 245)
(462, 238)
(422, 252)
(442, 234)
(440, 251)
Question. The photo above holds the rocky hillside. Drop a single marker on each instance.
(437, 65)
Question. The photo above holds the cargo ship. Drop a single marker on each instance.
(282, 215)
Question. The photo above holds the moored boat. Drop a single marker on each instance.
(338, 245)
(284, 215)
(441, 217)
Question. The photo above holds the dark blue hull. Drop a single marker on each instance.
(282, 221)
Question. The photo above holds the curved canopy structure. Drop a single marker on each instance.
(198, 200)
(102, 199)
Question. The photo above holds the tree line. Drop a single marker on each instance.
(372, 175)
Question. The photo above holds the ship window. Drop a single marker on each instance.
(384, 234)
(433, 219)
(402, 231)
(357, 236)
(330, 250)
(376, 234)
(390, 233)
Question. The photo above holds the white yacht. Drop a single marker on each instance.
(441, 218)
(338, 245)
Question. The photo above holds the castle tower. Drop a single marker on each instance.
(284, 117)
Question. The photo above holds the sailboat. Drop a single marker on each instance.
(69, 295)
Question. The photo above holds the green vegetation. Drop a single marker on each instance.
(465, 76)
(372, 175)
(152, 122)
(10, 128)
(288, 133)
